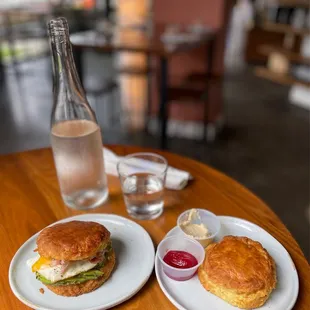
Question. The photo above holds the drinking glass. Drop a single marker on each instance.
(142, 177)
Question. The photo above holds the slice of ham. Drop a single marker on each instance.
(64, 264)
(98, 257)
(64, 267)
(95, 260)
(56, 262)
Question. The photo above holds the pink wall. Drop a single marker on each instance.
(214, 13)
(187, 11)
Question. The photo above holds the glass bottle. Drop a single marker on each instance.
(75, 134)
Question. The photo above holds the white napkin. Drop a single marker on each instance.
(176, 179)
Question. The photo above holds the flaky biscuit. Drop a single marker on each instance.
(238, 270)
(70, 241)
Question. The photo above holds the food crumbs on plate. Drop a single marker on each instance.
(41, 290)
(35, 250)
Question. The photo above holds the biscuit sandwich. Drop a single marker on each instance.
(238, 270)
(75, 257)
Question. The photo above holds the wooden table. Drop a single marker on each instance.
(30, 200)
(149, 43)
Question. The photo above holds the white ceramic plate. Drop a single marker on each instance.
(190, 295)
(134, 264)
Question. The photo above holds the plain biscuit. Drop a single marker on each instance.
(71, 241)
(238, 270)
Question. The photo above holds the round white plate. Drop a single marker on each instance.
(134, 264)
(190, 295)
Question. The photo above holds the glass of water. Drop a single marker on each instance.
(142, 177)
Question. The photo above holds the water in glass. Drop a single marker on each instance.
(143, 194)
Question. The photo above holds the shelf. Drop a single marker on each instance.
(283, 28)
(279, 78)
(293, 3)
(292, 56)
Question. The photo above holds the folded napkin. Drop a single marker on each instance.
(176, 179)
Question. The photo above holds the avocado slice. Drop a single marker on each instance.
(80, 278)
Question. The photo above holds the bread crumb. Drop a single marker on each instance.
(35, 250)
(41, 290)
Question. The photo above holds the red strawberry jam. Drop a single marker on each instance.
(180, 259)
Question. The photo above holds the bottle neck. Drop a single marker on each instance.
(70, 102)
(65, 74)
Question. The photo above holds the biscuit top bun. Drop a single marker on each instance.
(71, 241)
(241, 264)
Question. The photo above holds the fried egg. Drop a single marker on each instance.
(54, 274)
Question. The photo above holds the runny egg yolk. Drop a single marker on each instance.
(39, 263)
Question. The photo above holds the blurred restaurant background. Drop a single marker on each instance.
(225, 82)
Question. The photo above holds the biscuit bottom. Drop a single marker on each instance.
(240, 300)
(88, 286)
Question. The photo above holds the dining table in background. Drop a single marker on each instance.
(151, 44)
(30, 200)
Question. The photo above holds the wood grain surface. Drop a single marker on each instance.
(30, 200)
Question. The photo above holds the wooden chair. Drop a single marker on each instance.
(196, 88)
(197, 82)
(103, 92)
